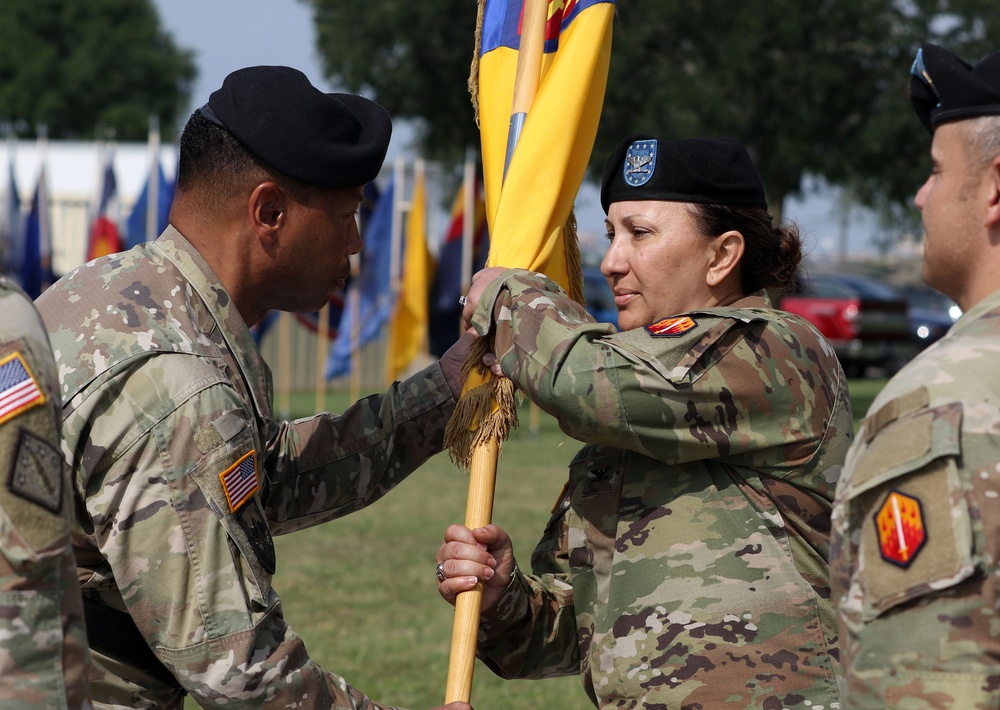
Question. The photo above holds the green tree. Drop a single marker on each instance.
(81, 67)
(811, 88)
(412, 57)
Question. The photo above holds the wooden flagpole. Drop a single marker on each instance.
(483, 468)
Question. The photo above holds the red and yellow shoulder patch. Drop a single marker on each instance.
(671, 327)
(239, 481)
(900, 525)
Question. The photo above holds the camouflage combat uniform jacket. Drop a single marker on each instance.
(43, 643)
(916, 531)
(182, 469)
(686, 566)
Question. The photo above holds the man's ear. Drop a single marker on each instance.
(993, 205)
(726, 252)
(268, 210)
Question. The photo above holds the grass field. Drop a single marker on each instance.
(361, 590)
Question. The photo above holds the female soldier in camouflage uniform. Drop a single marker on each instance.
(686, 563)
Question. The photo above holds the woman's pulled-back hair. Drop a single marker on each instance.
(771, 254)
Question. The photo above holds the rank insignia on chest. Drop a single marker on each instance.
(19, 390)
(900, 525)
(239, 481)
(671, 327)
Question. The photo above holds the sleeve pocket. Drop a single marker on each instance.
(907, 500)
(246, 527)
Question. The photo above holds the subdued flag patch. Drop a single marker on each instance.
(671, 327)
(19, 390)
(900, 525)
(239, 481)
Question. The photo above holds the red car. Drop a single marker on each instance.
(866, 323)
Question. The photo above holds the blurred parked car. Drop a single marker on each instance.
(931, 313)
(866, 322)
(598, 296)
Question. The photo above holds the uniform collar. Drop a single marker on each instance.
(990, 303)
(757, 299)
(176, 249)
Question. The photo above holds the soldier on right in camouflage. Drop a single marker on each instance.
(916, 522)
(686, 564)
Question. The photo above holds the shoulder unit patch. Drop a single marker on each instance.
(37, 473)
(19, 390)
(671, 327)
(900, 525)
(239, 481)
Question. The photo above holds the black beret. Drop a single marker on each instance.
(715, 171)
(328, 140)
(945, 88)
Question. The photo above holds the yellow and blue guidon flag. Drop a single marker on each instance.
(527, 215)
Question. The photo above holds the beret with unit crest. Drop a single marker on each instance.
(703, 170)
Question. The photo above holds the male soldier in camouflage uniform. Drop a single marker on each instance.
(168, 425)
(916, 525)
(685, 565)
(43, 643)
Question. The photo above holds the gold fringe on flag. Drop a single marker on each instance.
(474, 70)
(485, 412)
(487, 409)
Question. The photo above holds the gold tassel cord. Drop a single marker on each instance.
(574, 261)
(485, 412)
(488, 411)
(474, 70)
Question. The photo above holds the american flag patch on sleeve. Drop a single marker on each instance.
(239, 481)
(19, 389)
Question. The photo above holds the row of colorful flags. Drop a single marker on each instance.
(400, 289)
(25, 247)
(26, 239)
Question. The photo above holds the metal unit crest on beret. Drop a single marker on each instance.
(640, 162)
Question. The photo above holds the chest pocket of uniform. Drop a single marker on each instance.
(907, 500)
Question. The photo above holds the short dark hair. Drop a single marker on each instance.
(216, 164)
(771, 254)
(982, 139)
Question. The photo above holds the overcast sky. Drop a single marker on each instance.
(229, 34)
